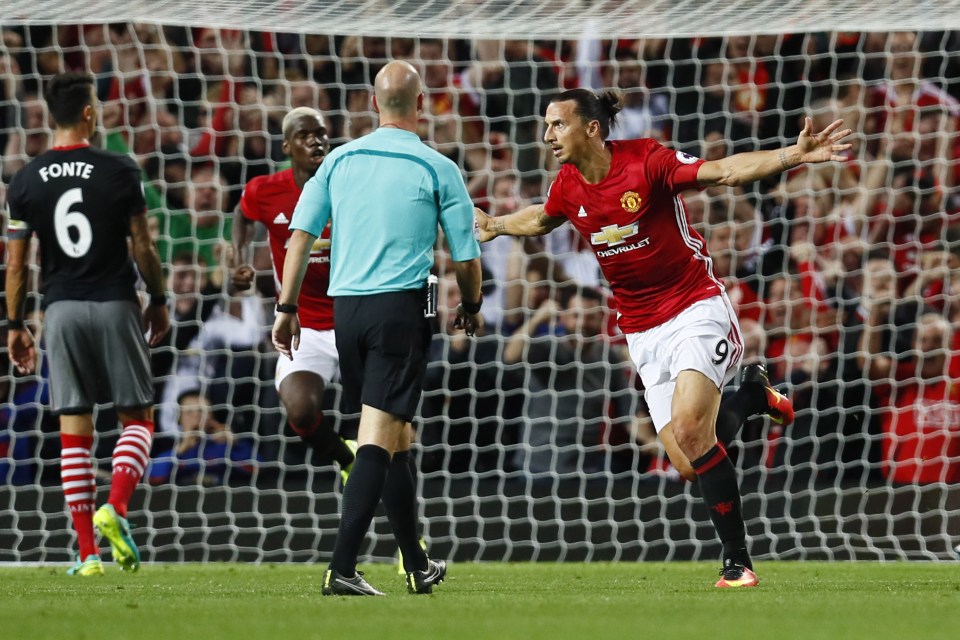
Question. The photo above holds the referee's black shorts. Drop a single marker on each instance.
(382, 340)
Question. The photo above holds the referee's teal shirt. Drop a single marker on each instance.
(385, 193)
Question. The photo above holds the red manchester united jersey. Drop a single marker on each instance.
(271, 200)
(635, 223)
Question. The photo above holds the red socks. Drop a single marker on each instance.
(79, 489)
(130, 459)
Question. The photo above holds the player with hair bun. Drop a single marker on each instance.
(623, 197)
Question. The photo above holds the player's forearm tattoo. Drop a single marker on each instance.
(499, 227)
(783, 159)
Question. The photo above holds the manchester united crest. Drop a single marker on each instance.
(630, 201)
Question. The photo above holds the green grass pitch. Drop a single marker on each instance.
(658, 601)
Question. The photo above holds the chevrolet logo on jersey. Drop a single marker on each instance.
(612, 235)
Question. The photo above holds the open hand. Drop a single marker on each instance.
(22, 349)
(824, 146)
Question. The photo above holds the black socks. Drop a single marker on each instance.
(749, 400)
(400, 502)
(326, 442)
(717, 480)
(360, 497)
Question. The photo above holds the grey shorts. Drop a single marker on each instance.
(96, 353)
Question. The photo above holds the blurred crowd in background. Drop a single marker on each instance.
(846, 277)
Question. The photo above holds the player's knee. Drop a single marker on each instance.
(685, 469)
(141, 416)
(304, 418)
(692, 436)
(302, 401)
(305, 422)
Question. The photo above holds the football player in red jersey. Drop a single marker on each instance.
(270, 200)
(623, 198)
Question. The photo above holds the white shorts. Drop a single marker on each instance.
(317, 354)
(705, 337)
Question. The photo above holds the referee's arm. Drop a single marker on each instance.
(286, 327)
(469, 277)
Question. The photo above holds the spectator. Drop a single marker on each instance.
(29, 138)
(222, 361)
(530, 283)
(462, 430)
(207, 452)
(223, 61)
(937, 283)
(874, 306)
(731, 235)
(11, 85)
(504, 259)
(191, 306)
(921, 412)
(499, 83)
(571, 380)
(204, 220)
(449, 120)
(644, 114)
(359, 116)
(898, 103)
(361, 58)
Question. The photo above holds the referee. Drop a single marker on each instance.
(385, 194)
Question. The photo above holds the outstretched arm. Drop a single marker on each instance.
(529, 221)
(744, 168)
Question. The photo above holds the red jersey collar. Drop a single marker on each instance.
(80, 145)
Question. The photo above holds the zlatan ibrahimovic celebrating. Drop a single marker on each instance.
(623, 198)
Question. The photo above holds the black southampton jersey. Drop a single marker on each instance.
(78, 201)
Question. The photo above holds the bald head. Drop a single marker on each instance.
(397, 88)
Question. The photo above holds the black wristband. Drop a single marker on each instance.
(473, 308)
(286, 308)
(15, 324)
(158, 300)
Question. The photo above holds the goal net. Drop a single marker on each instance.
(533, 439)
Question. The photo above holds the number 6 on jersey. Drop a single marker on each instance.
(64, 219)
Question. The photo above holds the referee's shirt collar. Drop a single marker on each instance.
(395, 132)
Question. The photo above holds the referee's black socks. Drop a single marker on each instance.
(400, 502)
(360, 498)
